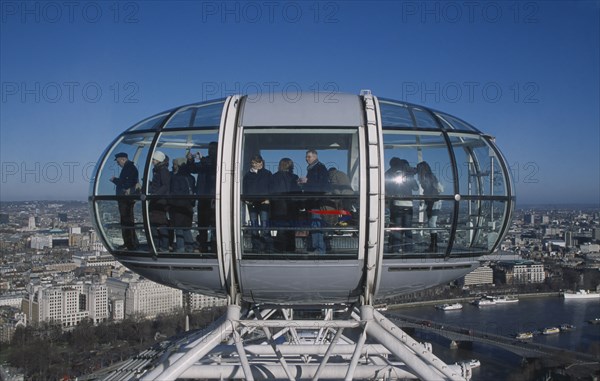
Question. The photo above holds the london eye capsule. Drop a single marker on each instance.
(320, 199)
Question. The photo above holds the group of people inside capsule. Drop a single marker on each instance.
(171, 216)
(400, 183)
(267, 198)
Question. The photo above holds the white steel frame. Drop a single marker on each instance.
(267, 342)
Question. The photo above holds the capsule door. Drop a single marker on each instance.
(296, 204)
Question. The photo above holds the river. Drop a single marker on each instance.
(529, 314)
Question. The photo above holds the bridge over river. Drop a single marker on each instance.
(571, 361)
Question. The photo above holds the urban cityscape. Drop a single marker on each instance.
(56, 272)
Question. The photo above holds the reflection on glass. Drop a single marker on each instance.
(418, 173)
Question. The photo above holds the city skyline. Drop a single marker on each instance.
(75, 75)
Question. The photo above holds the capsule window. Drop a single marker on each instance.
(181, 192)
(479, 171)
(419, 184)
(299, 192)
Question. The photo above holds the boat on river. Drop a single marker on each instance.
(505, 299)
(449, 307)
(550, 331)
(483, 302)
(566, 327)
(581, 294)
(524, 335)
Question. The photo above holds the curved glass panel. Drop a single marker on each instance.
(136, 147)
(478, 227)
(120, 231)
(455, 123)
(424, 119)
(480, 172)
(182, 118)
(181, 191)
(310, 209)
(395, 115)
(204, 115)
(418, 175)
(152, 123)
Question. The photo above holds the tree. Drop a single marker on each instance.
(83, 337)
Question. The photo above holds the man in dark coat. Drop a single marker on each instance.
(255, 187)
(316, 182)
(126, 185)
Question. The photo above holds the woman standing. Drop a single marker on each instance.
(160, 185)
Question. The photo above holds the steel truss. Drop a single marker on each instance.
(331, 342)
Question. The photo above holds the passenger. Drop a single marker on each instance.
(431, 187)
(400, 183)
(181, 211)
(255, 188)
(160, 186)
(284, 211)
(340, 185)
(340, 182)
(126, 185)
(315, 182)
(206, 184)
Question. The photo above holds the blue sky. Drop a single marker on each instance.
(76, 74)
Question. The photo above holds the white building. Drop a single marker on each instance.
(94, 259)
(200, 301)
(38, 242)
(97, 302)
(590, 248)
(117, 309)
(68, 305)
(480, 276)
(143, 297)
(522, 272)
(31, 223)
(12, 300)
(150, 299)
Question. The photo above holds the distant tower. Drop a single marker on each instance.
(31, 224)
(569, 239)
(529, 218)
(596, 234)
